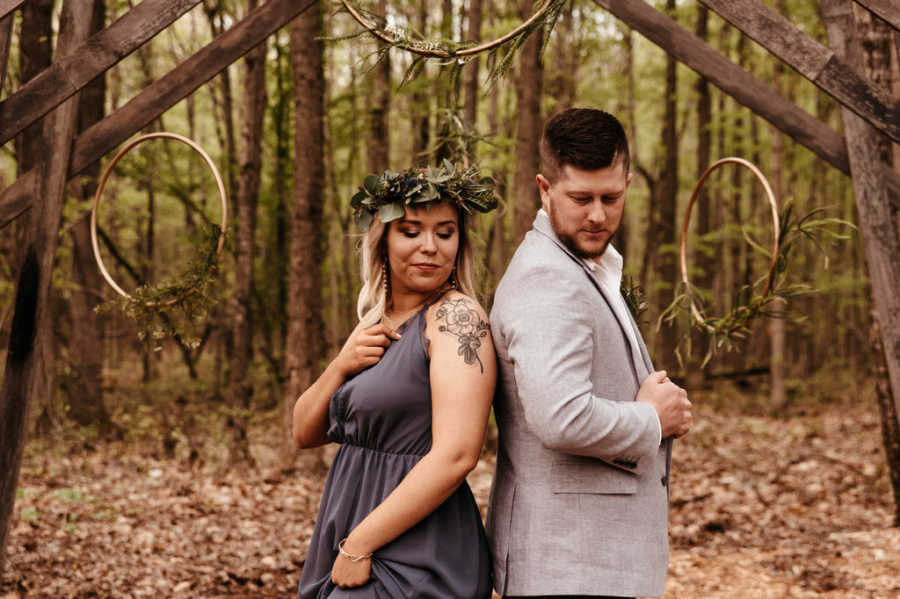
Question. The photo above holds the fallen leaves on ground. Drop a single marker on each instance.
(761, 507)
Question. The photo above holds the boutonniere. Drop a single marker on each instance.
(634, 297)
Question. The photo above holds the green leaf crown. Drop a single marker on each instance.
(390, 194)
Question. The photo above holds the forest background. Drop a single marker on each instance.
(297, 124)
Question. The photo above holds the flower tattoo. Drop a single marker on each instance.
(462, 321)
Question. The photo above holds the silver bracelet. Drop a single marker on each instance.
(350, 556)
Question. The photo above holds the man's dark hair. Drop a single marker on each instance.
(585, 138)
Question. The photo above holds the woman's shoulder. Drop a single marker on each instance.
(455, 306)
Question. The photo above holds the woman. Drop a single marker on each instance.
(408, 397)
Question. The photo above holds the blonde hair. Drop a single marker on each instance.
(372, 301)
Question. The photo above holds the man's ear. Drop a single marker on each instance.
(544, 187)
(628, 180)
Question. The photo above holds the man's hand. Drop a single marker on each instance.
(670, 401)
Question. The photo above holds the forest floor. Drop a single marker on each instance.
(798, 506)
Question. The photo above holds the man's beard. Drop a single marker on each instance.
(569, 242)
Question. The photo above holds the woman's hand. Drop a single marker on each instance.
(347, 573)
(364, 348)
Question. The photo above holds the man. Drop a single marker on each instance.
(579, 505)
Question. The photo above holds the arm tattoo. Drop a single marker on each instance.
(458, 318)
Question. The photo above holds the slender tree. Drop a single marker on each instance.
(84, 390)
(529, 84)
(253, 109)
(304, 334)
(668, 206)
(379, 147)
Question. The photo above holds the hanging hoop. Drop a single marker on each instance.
(432, 52)
(776, 227)
(106, 173)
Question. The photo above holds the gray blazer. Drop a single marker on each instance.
(579, 503)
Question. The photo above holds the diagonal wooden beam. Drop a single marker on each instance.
(161, 95)
(7, 6)
(69, 74)
(814, 61)
(889, 10)
(739, 84)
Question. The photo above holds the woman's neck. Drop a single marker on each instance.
(404, 304)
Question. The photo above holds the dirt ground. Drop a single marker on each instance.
(761, 507)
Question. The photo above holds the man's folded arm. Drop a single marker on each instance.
(550, 342)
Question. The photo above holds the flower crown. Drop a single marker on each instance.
(388, 195)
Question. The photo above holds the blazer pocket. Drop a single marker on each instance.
(588, 475)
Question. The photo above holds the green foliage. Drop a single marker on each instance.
(174, 307)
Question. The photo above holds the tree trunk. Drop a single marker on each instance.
(776, 328)
(470, 108)
(379, 129)
(668, 208)
(702, 258)
(304, 336)
(420, 103)
(529, 84)
(879, 232)
(6, 24)
(35, 55)
(85, 393)
(254, 106)
(32, 321)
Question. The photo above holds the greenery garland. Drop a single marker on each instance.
(388, 195)
(173, 307)
(453, 53)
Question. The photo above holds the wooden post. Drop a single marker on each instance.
(32, 320)
(879, 231)
(739, 84)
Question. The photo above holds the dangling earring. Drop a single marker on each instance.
(386, 279)
(454, 284)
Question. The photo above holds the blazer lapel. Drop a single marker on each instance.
(639, 354)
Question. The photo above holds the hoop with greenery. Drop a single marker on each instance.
(734, 326)
(152, 305)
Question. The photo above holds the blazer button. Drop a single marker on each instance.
(664, 480)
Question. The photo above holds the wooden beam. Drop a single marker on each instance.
(161, 95)
(812, 60)
(739, 84)
(69, 74)
(7, 6)
(888, 10)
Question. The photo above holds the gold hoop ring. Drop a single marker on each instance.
(466, 52)
(773, 205)
(106, 173)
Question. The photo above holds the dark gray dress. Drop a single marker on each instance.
(382, 418)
